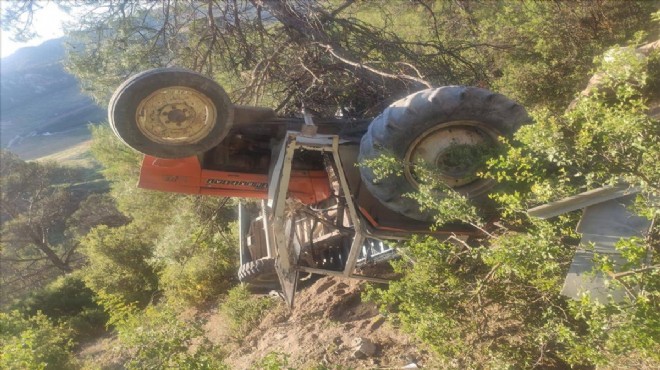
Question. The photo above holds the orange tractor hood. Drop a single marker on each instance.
(186, 175)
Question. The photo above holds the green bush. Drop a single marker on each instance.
(33, 343)
(88, 324)
(160, 338)
(67, 300)
(198, 279)
(556, 44)
(198, 261)
(244, 310)
(273, 361)
(495, 299)
(119, 264)
(474, 302)
(66, 296)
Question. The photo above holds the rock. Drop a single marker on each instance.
(274, 294)
(377, 323)
(358, 354)
(363, 348)
(411, 365)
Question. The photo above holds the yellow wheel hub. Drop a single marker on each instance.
(176, 115)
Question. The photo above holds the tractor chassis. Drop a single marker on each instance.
(280, 229)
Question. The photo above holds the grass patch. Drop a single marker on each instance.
(72, 145)
(244, 311)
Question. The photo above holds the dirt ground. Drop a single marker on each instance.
(101, 353)
(323, 331)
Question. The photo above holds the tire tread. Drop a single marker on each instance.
(399, 124)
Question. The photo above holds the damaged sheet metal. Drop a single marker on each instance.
(602, 226)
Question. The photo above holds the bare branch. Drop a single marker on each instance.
(334, 53)
(640, 270)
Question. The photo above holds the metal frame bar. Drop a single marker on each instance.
(270, 251)
(286, 266)
(314, 270)
(582, 200)
(242, 235)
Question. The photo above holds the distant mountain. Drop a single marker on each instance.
(42, 110)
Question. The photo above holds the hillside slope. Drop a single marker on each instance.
(42, 110)
(329, 327)
(324, 330)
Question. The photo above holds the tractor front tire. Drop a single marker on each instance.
(260, 273)
(432, 126)
(170, 113)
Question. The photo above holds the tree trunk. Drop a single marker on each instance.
(43, 246)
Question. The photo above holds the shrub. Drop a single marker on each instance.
(198, 262)
(66, 296)
(197, 279)
(495, 299)
(67, 300)
(244, 310)
(33, 343)
(273, 361)
(472, 302)
(159, 338)
(119, 264)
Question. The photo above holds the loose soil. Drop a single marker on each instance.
(319, 332)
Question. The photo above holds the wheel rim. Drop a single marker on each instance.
(176, 115)
(452, 150)
(267, 278)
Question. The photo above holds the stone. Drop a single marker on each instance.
(363, 347)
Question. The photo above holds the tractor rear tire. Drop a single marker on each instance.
(260, 273)
(170, 113)
(426, 125)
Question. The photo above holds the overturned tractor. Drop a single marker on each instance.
(320, 212)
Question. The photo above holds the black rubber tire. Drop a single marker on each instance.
(402, 122)
(260, 273)
(123, 106)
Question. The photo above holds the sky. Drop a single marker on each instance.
(47, 23)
